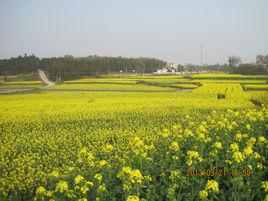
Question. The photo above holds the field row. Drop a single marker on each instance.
(140, 83)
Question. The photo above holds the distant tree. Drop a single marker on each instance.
(140, 66)
(262, 59)
(68, 56)
(234, 60)
(180, 68)
(70, 67)
(250, 69)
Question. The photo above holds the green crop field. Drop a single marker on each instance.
(186, 86)
(257, 87)
(108, 87)
(22, 85)
(90, 139)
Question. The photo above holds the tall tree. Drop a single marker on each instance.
(234, 60)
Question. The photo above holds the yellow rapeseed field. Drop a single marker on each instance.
(134, 146)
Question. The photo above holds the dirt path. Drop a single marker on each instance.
(44, 79)
(184, 90)
(14, 91)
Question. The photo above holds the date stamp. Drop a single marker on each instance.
(202, 172)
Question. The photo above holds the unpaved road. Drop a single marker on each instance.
(44, 79)
(14, 91)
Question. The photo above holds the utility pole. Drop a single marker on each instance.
(201, 56)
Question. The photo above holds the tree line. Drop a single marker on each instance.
(70, 67)
(244, 69)
(260, 67)
(233, 65)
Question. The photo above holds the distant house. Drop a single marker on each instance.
(170, 68)
(162, 71)
(172, 65)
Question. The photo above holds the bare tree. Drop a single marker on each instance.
(262, 59)
(234, 60)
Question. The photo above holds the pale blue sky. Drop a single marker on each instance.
(168, 29)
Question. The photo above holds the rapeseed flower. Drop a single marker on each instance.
(262, 139)
(174, 146)
(218, 145)
(102, 163)
(165, 133)
(78, 179)
(132, 198)
(62, 186)
(174, 174)
(234, 147)
(238, 156)
(212, 185)
(101, 188)
(89, 183)
(238, 136)
(203, 194)
(98, 177)
(41, 191)
(248, 151)
(136, 176)
(193, 155)
(55, 174)
(108, 148)
(84, 189)
(82, 199)
(264, 185)
(256, 155)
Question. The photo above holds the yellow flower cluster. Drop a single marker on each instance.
(218, 145)
(98, 177)
(132, 198)
(134, 175)
(174, 146)
(174, 175)
(234, 147)
(238, 156)
(78, 179)
(265, 186)
(212, 186)
(62, 186)
(193, 156)
(203, 194)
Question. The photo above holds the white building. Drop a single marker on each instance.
(162, 71)
(172, 65)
